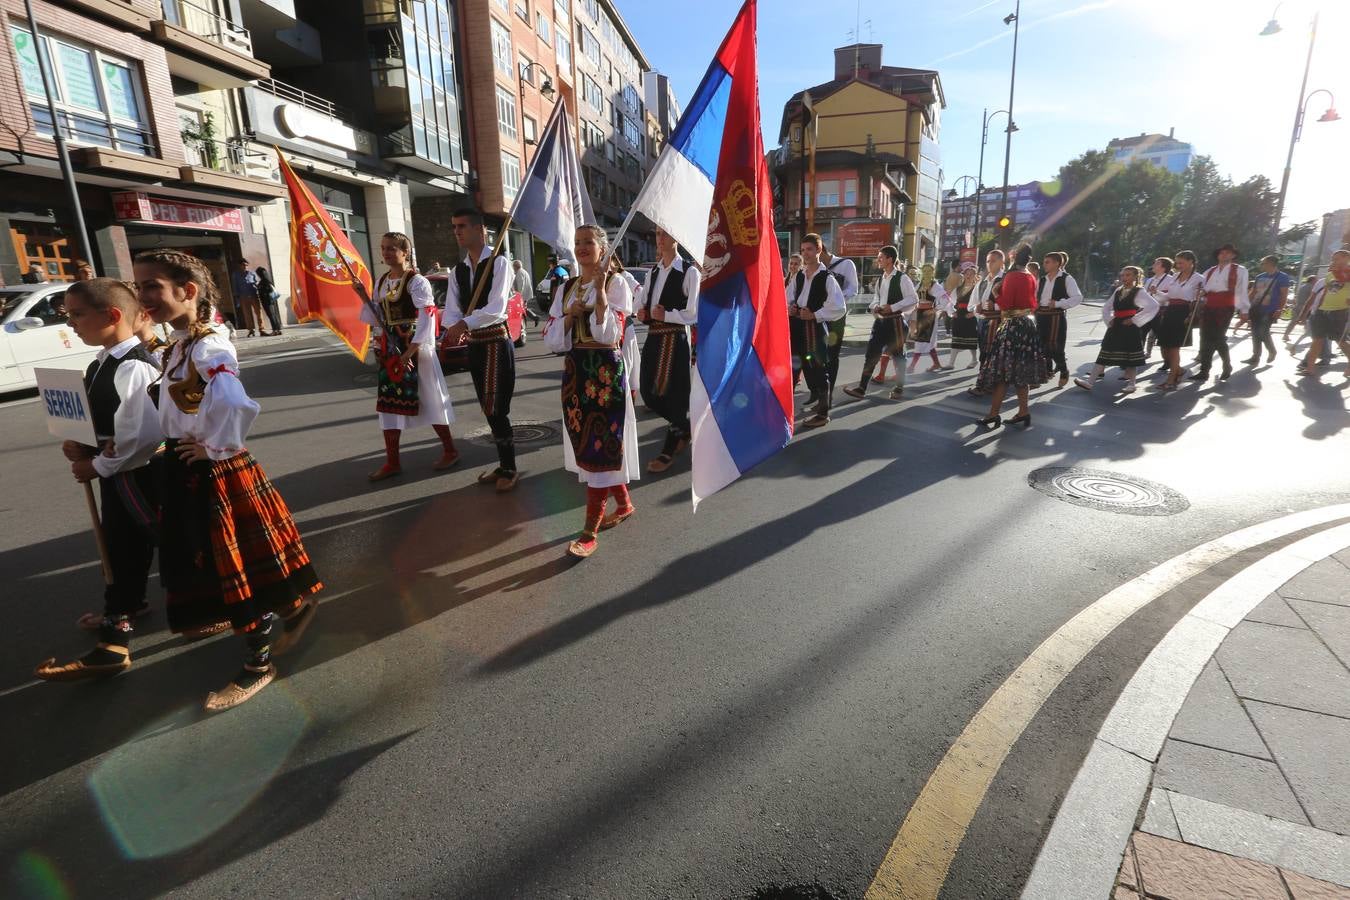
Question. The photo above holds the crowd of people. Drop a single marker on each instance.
(172, 420)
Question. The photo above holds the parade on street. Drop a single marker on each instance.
(598, 500)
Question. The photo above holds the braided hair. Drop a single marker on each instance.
(182, 268)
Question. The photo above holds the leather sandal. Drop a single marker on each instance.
(490, 476)
(233, 694)
(583, 546)
(661, 463)
(385, 471)
(614, 518)
(79, 670)
(507, 483)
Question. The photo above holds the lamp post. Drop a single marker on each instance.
(953, 194)
(1087, 258)
(545, 89)
(1015, 20)
(984, 139)
(1273, 27)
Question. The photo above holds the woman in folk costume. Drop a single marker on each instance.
(1129, 308)
(1016, 357)
(586, 322)
(229, 549)
(411, 389)
(1155, 284)
(1179, 296)
(923, 325)
(965, 329)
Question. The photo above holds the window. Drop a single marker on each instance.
(98, 97)
(542, 27)
(523, 10)
(592, 8)
(501, 3)
(591, 91)
(506, 112)
(631, 101)
(563, 48)
(609, 150)
(530, 129)
(51, 309)
(501, 48)
(526, 73)
(561, 13)
(851, 192)
(827, 193)
(590, 47)
(510, 176)
(631, 135)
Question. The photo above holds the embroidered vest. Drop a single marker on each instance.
(397, 304)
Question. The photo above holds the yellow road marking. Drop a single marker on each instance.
(916, 865)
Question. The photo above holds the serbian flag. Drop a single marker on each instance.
(740, 404)
(329, 280)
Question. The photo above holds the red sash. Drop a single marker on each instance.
(1222, 299)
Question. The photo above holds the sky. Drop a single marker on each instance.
(1087, 71)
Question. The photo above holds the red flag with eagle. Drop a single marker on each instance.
(329, 280)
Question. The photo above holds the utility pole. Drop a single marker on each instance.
(1016, 21)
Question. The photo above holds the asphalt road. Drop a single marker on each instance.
(714, 705)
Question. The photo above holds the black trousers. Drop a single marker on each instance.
(1214, 322)
(492, 364)
(665, 381)
(1261, 322)
(888, 339)
(809, 353)
(1054, 338)
(269, 306)
(834, 332)
(130, 512)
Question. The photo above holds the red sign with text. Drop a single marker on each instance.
(863, 239)
(133, 206)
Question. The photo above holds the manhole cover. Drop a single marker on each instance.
(525, 433)
(1108, 491)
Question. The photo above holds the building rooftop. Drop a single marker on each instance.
(898, 80)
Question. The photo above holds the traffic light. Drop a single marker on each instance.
(1004, 222)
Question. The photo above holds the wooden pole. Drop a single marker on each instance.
(98, 532)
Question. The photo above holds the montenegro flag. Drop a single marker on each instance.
(329, 280)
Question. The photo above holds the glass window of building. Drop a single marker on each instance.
(97, 95)
(542, 27)
(827, 193)
(563, 48)
(530, 128)
(851, 192)
(501, 3)
(506, 112)
(562, 14)
(523, 10)
(510, 175)
(591, 91)
(526, 73)
(592, 8)
(590, 47)
(501, 48)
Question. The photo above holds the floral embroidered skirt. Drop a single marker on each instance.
(1015, 356)
(594, 401)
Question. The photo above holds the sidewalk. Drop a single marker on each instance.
(1251, 795)
(1223, 769)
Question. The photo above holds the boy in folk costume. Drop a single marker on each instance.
(411, 387)
(846, 273)
(103, 312)
(895, 297)
(814, 299)
(475, 306)
(1225, 289)
(586, 323)
(669, 305)
(1057, 292)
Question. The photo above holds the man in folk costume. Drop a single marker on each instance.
(1225, 288)
(669, 305)
(895, 296)
(1058, 292)
(475, 307)
(846, 273)
(983, 303)
(815, 299)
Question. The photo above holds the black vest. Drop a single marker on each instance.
(1061, 289)
(462, 280)
(99, 382)
(1121, 301)
(819, 291)
(894, 290)
(672, 292)
(838, 276)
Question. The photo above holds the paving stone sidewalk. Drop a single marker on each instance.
(1251, 796)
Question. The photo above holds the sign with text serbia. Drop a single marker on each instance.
(67, 405)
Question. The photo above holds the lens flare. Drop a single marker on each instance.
(34, 877)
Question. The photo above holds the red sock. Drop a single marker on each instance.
(933, 353)
(620, 492)
(391, 436)
(447, 439)
(595, 510)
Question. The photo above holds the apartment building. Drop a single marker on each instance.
(958, 214)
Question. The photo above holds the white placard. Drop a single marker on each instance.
(61, 393)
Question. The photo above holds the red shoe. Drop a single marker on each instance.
(385, 471)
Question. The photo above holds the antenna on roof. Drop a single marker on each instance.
(871, 35)
(857, 41)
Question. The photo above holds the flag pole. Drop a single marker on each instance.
(351, 273)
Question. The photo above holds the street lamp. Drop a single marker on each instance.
(545, 87)
(1015, 19)
(984, 139)
(953, 194)
(1273, 27)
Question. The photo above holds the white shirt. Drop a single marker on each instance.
(491, 309)
(656, 283)
(1218, 281)
(226, 412)
(136, 433)
(1155, 284)
(909, 297)
(983, 293)
(846, 270)
(1075, 295)
(1177, 289)
(1145, 302)
(558, 337)
(419, 289)
(834, 307)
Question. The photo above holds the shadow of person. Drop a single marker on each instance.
(1323, 403)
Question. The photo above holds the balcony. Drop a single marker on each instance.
(207, 48)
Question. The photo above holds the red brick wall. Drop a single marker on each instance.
(15, 118)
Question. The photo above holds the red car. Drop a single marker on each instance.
(456, 359)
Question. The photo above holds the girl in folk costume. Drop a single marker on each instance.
(1178, 297)
(965, 329)
(229, 549)
(586, 322)
(1129, 308)
(1162, 276)
(1015, 354)
(923, 327)
(1329, 312)
(1057, 293)
(411, 388)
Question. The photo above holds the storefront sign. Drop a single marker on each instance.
(133, 206)
(969, 255)
(864, 239)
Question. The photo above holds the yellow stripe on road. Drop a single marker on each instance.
(916, 865)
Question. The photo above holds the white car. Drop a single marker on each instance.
(33, 332)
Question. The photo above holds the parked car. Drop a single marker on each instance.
(456, 359)
(34, 332)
